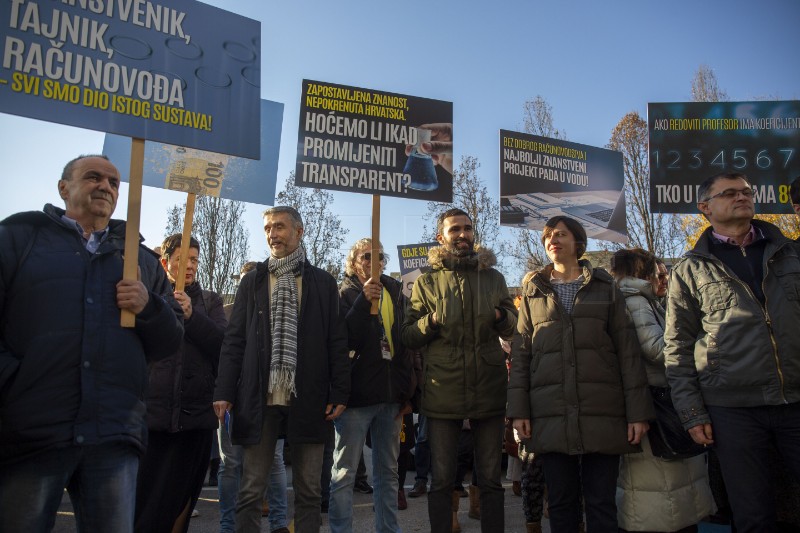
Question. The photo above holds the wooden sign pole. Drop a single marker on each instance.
(180, 281)
(131, 265)
(375, 264)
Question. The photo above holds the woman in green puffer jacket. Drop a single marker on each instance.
(577, 392)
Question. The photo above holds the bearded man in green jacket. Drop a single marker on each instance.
(456, 315)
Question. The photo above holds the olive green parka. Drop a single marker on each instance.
(464, 371)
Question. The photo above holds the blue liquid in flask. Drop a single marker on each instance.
(423, 174)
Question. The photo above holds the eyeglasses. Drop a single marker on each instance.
(368, 256)
(663, 276)
(730, 194)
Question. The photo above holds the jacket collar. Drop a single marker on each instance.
(441, 259)
(541, 279)
(770, 232)
(262, 272)
(116, 228)
(588, 272)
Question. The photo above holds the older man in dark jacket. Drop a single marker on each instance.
(72, 380)
(283, 370)
(456, 315)
(732, 348)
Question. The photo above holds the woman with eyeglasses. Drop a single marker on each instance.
(383, 384)
(578, 392)
(654, 494)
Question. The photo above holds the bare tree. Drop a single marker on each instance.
(705, 87)
(525, 247)
(537, 116)
(324, 235)
(224, 247)
(659, 233)
(471, 195)
(526, 250)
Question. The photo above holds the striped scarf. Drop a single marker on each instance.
(283, 320)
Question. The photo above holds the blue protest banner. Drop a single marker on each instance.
(181, 72)
(208, 173)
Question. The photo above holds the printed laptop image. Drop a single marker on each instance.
(510, 214)
(602, 213)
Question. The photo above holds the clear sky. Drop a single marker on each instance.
(592, 61)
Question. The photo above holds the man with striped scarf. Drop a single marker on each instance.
(284, 370)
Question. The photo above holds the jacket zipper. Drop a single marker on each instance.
(551, 293)
(768, 322)
(769, 327)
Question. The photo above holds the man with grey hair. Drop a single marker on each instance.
(283, 370)
(732, 349)
(72, 379)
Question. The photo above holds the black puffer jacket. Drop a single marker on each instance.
(374, 379)
(181, 388)
(69, 373)
(323, 370)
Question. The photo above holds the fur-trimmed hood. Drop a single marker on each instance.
(481, 259)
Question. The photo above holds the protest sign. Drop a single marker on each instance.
(374, 142)
(541, 178)
(179, 72)
(208, 173)
(413, 263)
(692, 141)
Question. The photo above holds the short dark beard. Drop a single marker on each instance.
(458, 252)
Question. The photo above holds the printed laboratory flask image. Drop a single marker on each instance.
(420, 165)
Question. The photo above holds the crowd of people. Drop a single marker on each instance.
(616, 391)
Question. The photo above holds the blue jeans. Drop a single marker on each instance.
(487, 435)
(351, 430)
(256, 467)
(743, 439)
(101, 481)
(230, 472)
(593, 473)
